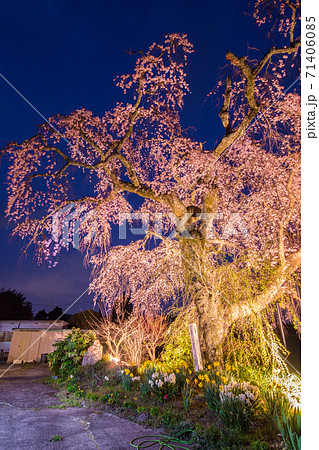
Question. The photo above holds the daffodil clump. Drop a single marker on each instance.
(128, 378)
(181, 374)
(237, 404)
(213, 375)
(73, 387)
(242, 391)
(111, 397)
(187, 393)
(211, 381)
(162, 384)
(161, 366)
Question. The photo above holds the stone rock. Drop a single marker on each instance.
(93, 354)
(142, 418)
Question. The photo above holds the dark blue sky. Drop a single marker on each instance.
(63, 54)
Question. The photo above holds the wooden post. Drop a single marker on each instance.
(197, 355)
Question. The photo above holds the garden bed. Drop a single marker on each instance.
(90, 389)
(222, 406)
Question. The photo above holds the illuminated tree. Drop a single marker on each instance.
(234, 208)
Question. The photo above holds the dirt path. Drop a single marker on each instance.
(28, 421)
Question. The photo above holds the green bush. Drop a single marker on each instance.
(178, 347)
(72, 387)
(91, 396)
(211, 437)
(68, 355)
(235, 414)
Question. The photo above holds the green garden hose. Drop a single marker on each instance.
(163, 441)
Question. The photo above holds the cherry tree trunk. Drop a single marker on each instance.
(213, 327)
(213, 314)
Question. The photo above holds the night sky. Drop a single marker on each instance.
(62, 55)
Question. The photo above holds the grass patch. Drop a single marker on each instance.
(59, 406)
(56, 438)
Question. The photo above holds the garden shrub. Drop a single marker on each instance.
(178, 347)
(253, 347)
(68, 355)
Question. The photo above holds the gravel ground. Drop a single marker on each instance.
(28, 421)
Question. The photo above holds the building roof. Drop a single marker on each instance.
(33, 321)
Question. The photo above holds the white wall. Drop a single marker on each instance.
(7, 326)
(29, 345)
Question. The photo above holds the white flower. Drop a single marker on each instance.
(249, 395)
(106, 378)
(136, 379)
(155, 375)
(71, 376)
(151, 383)
(159, 383)
(172, 378)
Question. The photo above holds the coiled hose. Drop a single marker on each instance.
(163, 441)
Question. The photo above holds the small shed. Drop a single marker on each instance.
(7, 327)
(28, 345)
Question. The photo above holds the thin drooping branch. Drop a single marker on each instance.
(40, 223)
(70, 161)
(89, 141)
(249, 74)
(273, 291)
(133, 116)
(284, 222)
(275, 51)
